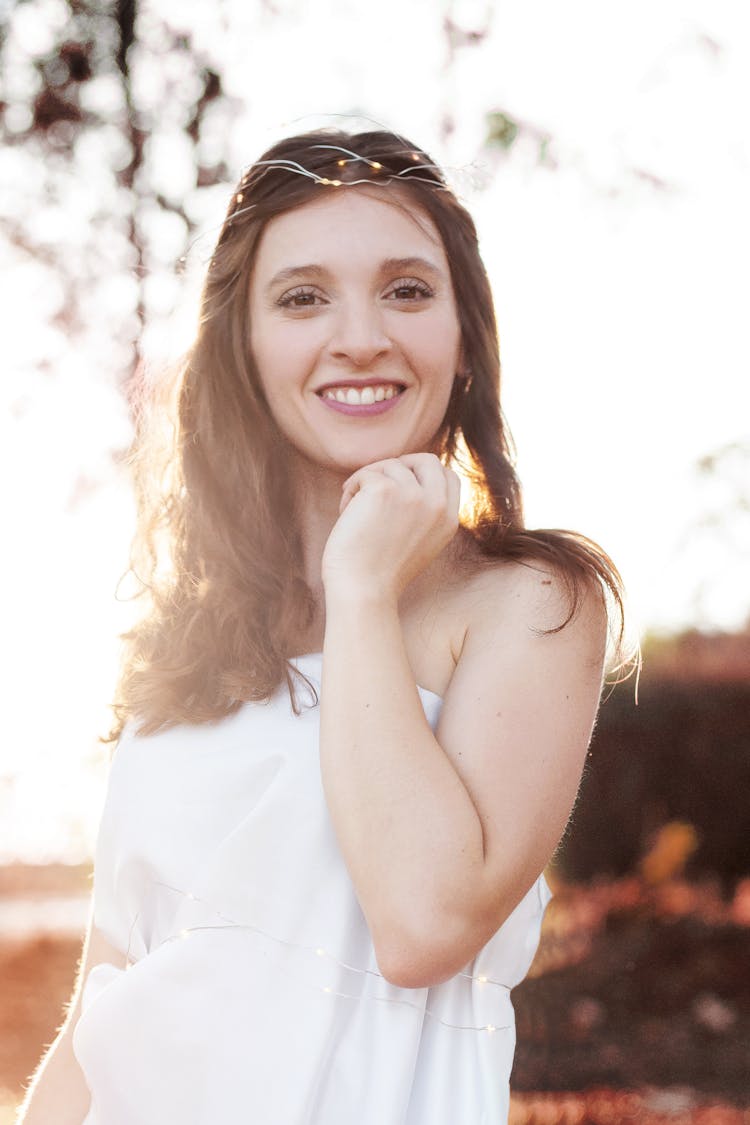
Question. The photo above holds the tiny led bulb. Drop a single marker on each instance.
(320, 952)
(415, 156)
(341, 163)
(491, 1027)
(482, 979)
(374, 164)
(326, 988)
(336, 183)
(239, 197)
(184, 933)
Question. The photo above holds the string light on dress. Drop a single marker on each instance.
(229, 923)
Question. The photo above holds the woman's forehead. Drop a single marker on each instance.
(380, 220)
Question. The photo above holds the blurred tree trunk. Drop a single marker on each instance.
(84, 204)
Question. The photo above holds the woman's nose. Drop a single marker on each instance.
(359, 335)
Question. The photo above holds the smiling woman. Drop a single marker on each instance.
(312, 907)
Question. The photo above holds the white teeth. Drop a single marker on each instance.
(353, 396)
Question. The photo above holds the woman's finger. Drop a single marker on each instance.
(430, 472)
(372, 476)
(388, 468)
(398, 471)
(425, 467)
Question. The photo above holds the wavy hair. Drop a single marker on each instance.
(217, 553)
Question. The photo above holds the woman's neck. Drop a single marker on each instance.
(317, 509)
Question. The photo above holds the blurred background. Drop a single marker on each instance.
(604, 152)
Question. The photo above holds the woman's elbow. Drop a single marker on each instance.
(427, 960)
(418, 969)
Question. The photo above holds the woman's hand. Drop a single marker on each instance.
(395, 517)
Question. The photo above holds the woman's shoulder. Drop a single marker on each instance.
(495, 594)
(478, 607)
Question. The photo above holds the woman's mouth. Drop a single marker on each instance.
(375, 398)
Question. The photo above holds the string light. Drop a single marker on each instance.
(242, 211)
(319, 951)
(354, 156)
(287, 165)
(350, 157)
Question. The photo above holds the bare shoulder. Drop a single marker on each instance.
(473, 611)
(507, 602)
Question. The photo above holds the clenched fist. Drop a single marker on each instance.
(395, 517)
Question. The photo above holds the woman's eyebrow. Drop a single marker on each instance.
(291, 272)
(400, 265)
(388, 265)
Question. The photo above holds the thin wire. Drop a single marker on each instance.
(318, 950)
(230, 923)
(488, 1027)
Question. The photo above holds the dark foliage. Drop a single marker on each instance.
(655, 1004)
(681, 754)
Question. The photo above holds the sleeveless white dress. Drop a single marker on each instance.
(248, 991)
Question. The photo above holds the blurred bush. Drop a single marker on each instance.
(666, 780)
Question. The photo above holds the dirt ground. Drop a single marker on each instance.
(637, 1008)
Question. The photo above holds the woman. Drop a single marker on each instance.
(352, 722)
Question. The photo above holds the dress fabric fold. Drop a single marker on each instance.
(248, 989)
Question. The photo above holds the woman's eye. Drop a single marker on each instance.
(299, 299)
(408, 290)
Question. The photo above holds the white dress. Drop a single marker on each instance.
(248, 991)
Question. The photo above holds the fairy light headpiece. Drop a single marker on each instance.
(396, 165)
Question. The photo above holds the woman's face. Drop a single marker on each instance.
(354, 327)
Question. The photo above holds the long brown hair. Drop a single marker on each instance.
(217, 553)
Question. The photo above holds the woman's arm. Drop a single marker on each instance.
(58, 1091)
(443, 834)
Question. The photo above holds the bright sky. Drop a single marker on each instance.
(622, 313)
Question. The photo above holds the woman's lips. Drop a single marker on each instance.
(363, 409)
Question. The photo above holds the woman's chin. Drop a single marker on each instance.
(344, 463)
